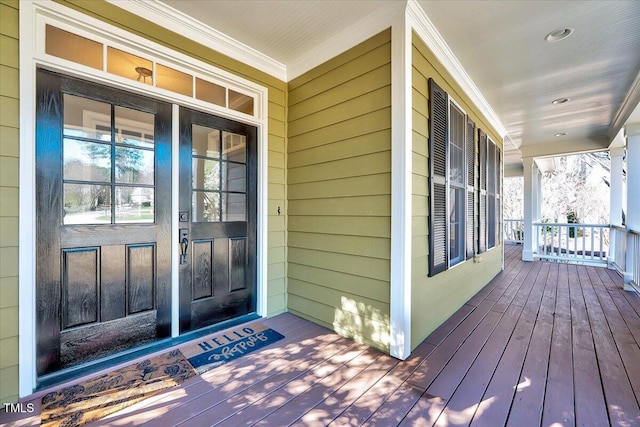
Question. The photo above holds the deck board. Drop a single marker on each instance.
(542, 343)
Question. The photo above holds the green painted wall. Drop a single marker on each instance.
(9, 150)
(339, 192)
(434, 299)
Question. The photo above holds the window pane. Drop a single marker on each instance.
(130, 66)
(210, 92)
(86, 161)
(233, 177)
(233, 207)
(134, 127)
(174, 80)
(87, 204)
(134, 204)
(456, 223)
(234, 147)
(456, 146)
(205, 174)
(72, 47)
(206, 206)
(134, 166)
(86, 118)
(240, 102)
(205, 141)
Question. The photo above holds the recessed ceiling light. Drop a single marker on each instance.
(559, 34)
(561, 134)
(560, 101)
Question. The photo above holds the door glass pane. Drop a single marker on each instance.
(134, 204)
(134, 127)
(130, 66)
(66, 45)
(206, 206)
(86, 161)
(87, 204)
(233, 207)
(210, 92)
(240, 102)
(205, 141)
(205, 174)
(86, 118)
(234, 147)
(174, 80)
(233, 177)
(134, 166)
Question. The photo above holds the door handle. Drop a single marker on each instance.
(184, 244)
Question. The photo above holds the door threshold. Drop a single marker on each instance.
(110, 363)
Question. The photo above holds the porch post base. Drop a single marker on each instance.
(527, 255)
(628, 283)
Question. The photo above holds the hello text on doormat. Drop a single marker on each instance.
(225, 347)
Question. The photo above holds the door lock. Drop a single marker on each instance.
(183, 238)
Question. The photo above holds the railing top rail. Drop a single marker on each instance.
(636, 232)
(567, 224)
(618, 227)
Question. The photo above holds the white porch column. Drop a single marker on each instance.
(531, 205)
(633, 198)
(616, 205)
(616, 190)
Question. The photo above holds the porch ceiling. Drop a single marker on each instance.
(499, 43)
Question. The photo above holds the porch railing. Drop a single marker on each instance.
(635, 259)
(513, 230)
(619, 242)
(576, 243)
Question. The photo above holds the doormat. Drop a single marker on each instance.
(224, 347)
(98, 397)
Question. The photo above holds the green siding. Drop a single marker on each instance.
(9, 173)
(339, 193)
(434, 299)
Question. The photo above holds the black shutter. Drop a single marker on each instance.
(470, 144)
(438, 170)
(482, 160)
(491, 195)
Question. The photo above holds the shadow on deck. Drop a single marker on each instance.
(542, 344)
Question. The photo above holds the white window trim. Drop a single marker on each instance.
(33, 16)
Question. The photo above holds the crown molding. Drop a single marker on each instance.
(630, 104)
(429, 34)
(170, 18)
(351, 36)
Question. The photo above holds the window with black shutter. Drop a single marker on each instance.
(452, 200)
(482, 172)
(438, 169)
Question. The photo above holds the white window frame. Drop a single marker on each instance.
(462, 212)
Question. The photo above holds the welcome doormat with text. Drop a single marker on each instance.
(224, 347)
(98, 397)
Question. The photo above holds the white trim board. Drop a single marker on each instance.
(32, 16)
(170, 18)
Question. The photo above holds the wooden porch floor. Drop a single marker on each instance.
(542, 344)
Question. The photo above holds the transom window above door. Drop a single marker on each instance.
(108, 163)
(219, 175)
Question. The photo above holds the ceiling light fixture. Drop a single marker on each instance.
(561, 134)
(559, 34)
(143, 73)
(560, 101)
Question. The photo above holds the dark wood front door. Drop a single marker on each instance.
(103, 186)
(218, 188)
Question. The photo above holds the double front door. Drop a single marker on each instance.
(105, 239)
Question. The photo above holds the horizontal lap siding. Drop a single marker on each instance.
(435, 298)
(9, 149)
(339, 193)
